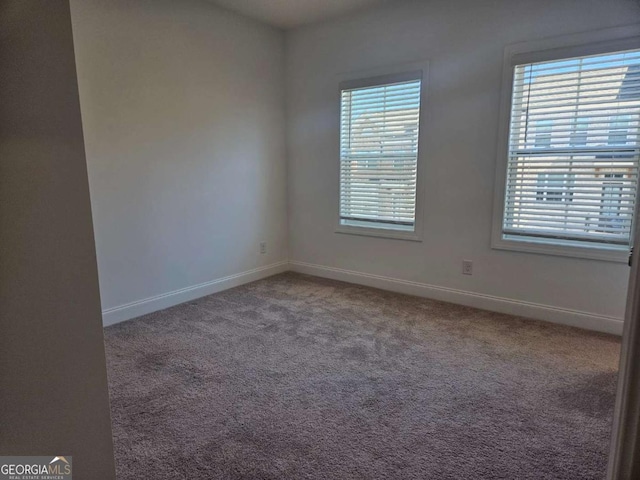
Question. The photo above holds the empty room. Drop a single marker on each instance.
(350, 239)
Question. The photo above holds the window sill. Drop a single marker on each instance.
(614, 254)
(378, 232)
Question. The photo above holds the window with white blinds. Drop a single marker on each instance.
(573, 150)
(379, 126)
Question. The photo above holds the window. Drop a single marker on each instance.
(379, 127)
(543, 133)
(554, 187)
(619, 130)
(612, 213)
(572, 150)
(581, 134)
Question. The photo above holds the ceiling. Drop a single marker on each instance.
(293, 13)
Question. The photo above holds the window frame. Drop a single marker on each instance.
(369, 78)
(548, 49)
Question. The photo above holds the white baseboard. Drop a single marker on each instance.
(131, 310)
(564, 316)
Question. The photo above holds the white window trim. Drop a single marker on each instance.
(371, 77)
(553, 48)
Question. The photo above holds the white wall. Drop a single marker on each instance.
(464, 43)
(182, 107)
(53, 378)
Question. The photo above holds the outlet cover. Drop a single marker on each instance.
(467, 267)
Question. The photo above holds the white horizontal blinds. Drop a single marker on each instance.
(574, 148)
(378, 155)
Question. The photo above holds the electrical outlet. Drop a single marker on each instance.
(263, 247)
(467, 267)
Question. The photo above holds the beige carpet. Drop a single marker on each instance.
(295, 377)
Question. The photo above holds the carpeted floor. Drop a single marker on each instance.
(295, 377)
